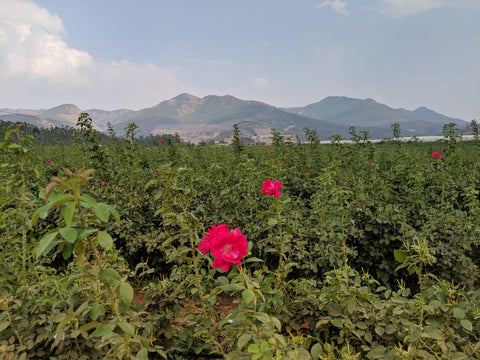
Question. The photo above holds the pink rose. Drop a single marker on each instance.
(206, 244)
(272, 188)
(229, 248)
(437, 154)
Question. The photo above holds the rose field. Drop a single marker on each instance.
(123, 248)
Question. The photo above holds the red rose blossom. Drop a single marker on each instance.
(205, 245)
(437, 154)
(228, 247)
(272, 188)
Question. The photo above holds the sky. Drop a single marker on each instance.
(113, 54)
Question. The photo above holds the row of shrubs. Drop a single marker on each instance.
(371, 251)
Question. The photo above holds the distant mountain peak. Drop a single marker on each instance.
(184, 97)
(422, 108)
(64, 107)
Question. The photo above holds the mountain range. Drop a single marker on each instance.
(212, 118)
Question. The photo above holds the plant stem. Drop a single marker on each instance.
(281, 260)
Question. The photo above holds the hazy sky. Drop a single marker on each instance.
(112, 54)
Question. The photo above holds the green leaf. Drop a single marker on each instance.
(316, 351)
(280, 339)
(4, 325)
(368, 336)
(378, 352)
(390, 329)
(264, 318)
(68, 213)
(109, 276)
(59, 199)
(334, 309)
(114, 212)
(243, 340)
(150, 183)
(459, 356)
(102, 330)
(35, 217)
(88, 326)
(379, 330)
(104, 240)
(67, 250)
(459, 313)
(125, 292)
(272, 221)
(89, 200)
(43, 211)
(466, 324)
(95, 311)
(143, 354)
(84, 233)
(127, 328)
(69, 234)
(276, 323)
(232, 287)
(337, 322)
(358, 333)
(46, 244)
(102, 212)
(248, 296)
(400, 255)
(253, 348)
(432, 332)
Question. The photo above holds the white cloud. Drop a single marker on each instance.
(337, 5)
(34, 57)
(402, 8)
(32, 45)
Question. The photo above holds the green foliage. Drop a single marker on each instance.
(237, 143)
(312, 136)
(277, 138)
(370, 252)
(450, 133)
(397, 132)
(475, 129)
